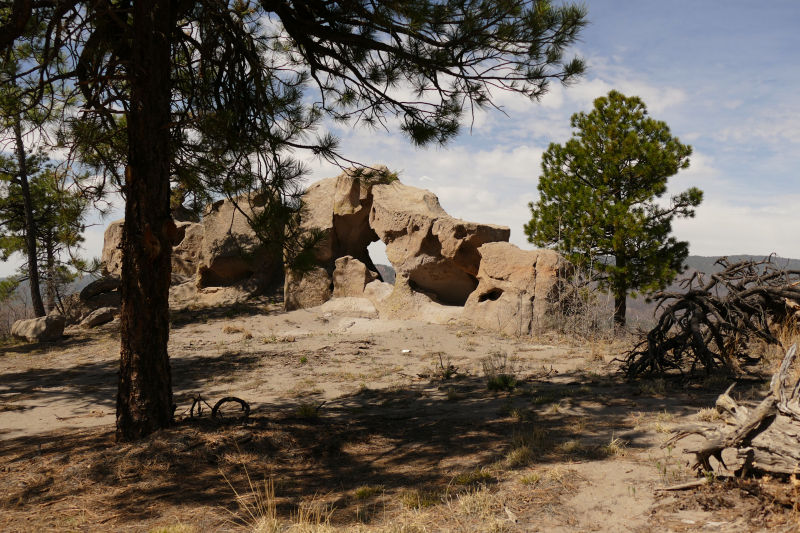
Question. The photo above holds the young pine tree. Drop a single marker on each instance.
(598, 199)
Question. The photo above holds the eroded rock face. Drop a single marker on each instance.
(433, 251)
(340, 206)
(187, 248)
(350, 307)
(42, 329)
(101, 285)
(515, 287)
(112, 253)
(305, 292)
(231, 252)
(350, 277)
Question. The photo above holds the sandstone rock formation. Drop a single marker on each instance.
(99, 317)
(231, 252)
(515, 287)
(428, 248)
(112, 253)
(350, 277)
(103, 292)
(187, 250)
(340, 206)
(42, 329)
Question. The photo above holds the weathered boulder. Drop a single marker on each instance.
(350, 278)
(42, 329)
(339, 206)
(112, 251)
(515, 287)
(231, 251)
(108, 283)
(350, 307)
(430, 250)
(401, 302)
(187, 248)
(98, 317)
(306, 291)
(75, 309)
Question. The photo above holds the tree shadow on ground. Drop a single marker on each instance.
(417, 438)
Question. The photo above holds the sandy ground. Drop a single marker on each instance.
(389, 412)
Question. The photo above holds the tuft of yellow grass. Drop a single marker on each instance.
(232, 329)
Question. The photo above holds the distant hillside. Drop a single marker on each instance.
(706, 264)
(387, 273)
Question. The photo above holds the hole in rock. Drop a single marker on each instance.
(377, 252)
(492, 295)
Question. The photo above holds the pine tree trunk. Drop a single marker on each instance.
(30, 229)
(620, 310)
(620, 295)
(50, 281)
(144, 401)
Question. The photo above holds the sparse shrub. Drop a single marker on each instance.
(499, 372)
(308, 410)
(530, 479)
(452, 394)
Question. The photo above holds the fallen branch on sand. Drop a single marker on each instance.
(765, 438)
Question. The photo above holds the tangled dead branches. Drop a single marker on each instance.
(710, 324)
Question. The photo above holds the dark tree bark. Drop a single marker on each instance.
(144, 400)
(620, 298)
(30, 230)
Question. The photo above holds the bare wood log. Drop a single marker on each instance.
(767, 437)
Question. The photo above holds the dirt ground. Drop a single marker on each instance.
(362, 425)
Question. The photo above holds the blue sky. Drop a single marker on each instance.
(725, 76)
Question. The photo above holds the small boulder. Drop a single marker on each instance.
(350, 307)
(306, 291)
(42, 329)
(350, 278)
(98, 317)
(99, 286)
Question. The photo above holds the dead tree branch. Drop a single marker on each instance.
(709, 324)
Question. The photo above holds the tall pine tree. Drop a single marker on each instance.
(598, 198)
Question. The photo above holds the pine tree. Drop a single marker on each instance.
(598, 199)
(210, 94)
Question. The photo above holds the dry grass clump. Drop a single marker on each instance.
(616, 447)
(419, 499)
(571, 446)
(530, 479)
(365, 491)
(709, 414)
(476, 476)
(232, 329)
(480, 502)
(524, 445)
(175, 528)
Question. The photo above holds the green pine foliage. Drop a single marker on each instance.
(599, 194)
